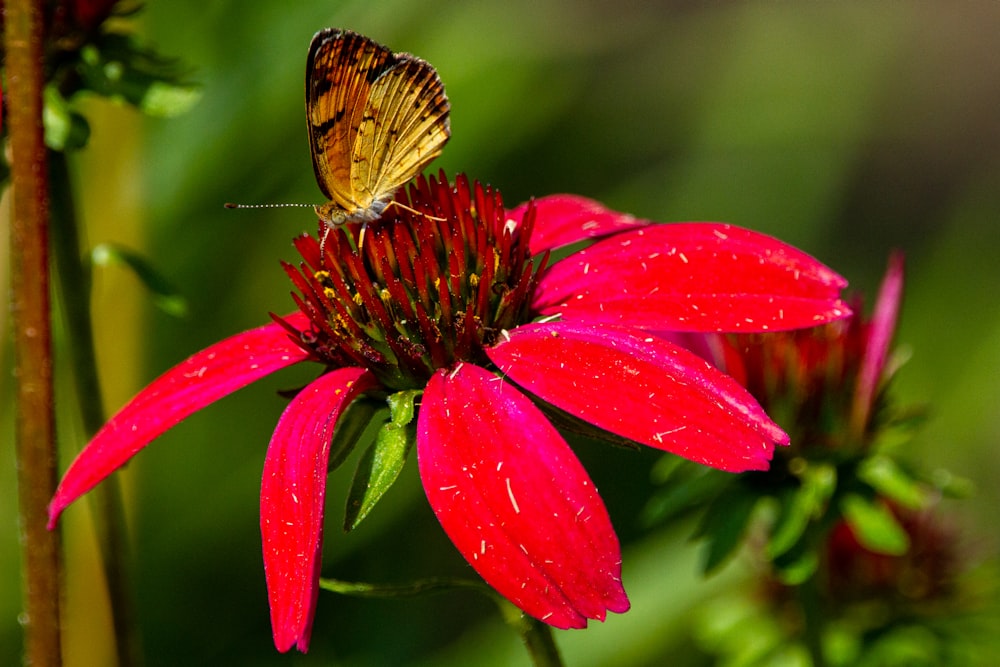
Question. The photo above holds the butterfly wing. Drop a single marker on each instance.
(405, 125)
(340, 69)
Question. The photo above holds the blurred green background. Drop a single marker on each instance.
(845, 128)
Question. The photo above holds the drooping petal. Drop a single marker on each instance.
(515, 500)
(561, 220)
(643, 388)
(292, 493)
(883, 327)
(204, 378)
(693, 277)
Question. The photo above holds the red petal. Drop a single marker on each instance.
(883, 327)
(643, 388)
(515, 500)
(292, 494)
(202, 379)
(693, 277)
(564, 219)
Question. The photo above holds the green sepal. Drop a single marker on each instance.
(724, 523)
(892, 482)
(801, 506)
(116, 67)
(382, 462)
(685, 486)
(165, 297)
(874, 525)
(352, 428)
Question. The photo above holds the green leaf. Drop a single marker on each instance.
(724, 524)
(688, 487)
(799, 508)
(382, 462)
(165, 297)
(793, 569)
(166, 100)
(951, 485)
(116, 67)
(874, 525)
(891, 481)
(669, 467)
(64, 128)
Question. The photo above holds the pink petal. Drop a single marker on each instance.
(202, 379)
(883, 327)
(693, 277)
(643, 388)
(515, 500)
(292, 495)
(564, 219)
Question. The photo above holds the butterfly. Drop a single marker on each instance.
(375, 119)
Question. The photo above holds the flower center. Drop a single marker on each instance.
(435, 280)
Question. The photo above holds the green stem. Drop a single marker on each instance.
(811, 604)
(537, 636)
(416, 588)
(109, 515)
(34, 425)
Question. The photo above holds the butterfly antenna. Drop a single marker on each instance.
(231, 205)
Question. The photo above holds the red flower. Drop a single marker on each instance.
(446, 303)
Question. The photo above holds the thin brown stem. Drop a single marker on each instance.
(34, 417)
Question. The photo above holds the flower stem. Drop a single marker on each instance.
(34, 414)
(109, 515)
(811, 605)
(537, 636)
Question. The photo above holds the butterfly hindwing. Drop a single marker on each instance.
(405, 126)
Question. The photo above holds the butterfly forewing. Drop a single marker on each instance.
(376, 119)
(340, 70)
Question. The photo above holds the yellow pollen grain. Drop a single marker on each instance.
(329, 293)
(474, 279)
(357, 299)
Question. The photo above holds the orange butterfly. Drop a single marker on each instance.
(376, 119)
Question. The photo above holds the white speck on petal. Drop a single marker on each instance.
(658, 437)
(510, 494)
